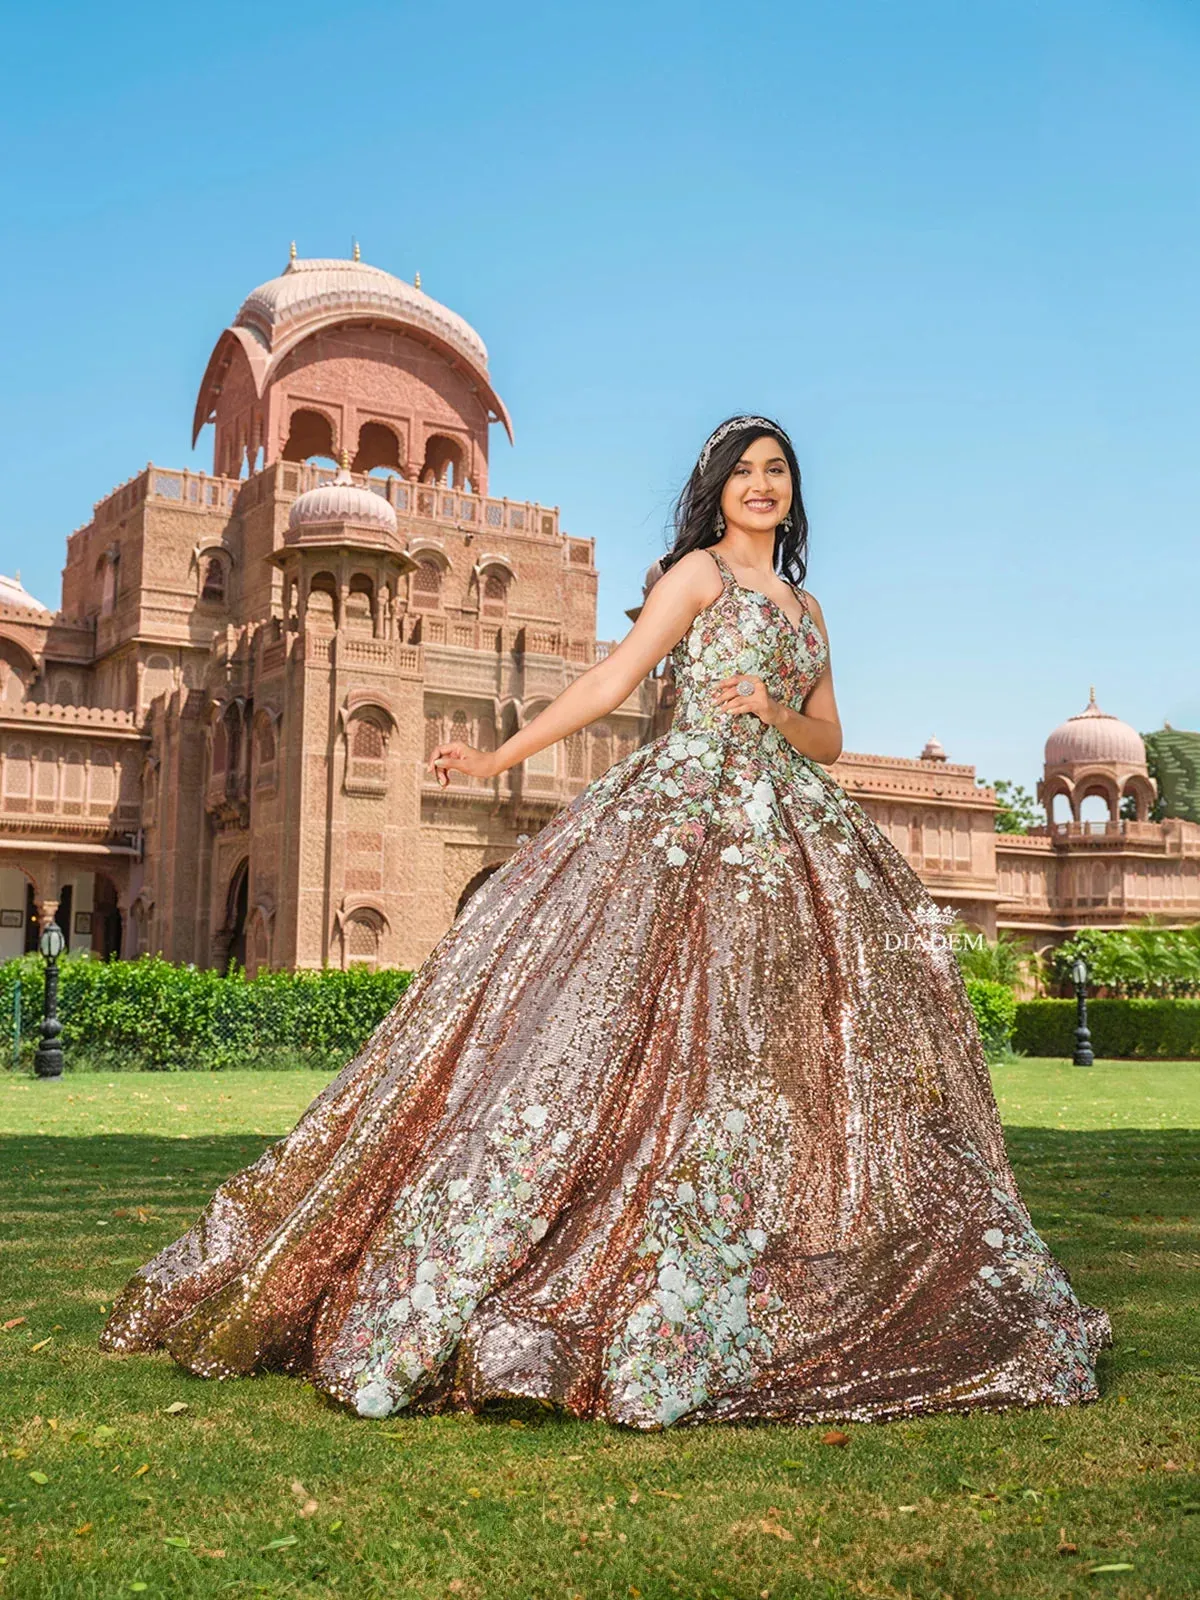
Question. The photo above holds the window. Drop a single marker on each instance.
(212, 590)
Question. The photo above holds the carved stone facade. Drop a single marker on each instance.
(216, 747)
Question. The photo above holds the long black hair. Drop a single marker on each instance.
(695, 511)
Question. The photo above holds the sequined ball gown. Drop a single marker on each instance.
(666, 1129)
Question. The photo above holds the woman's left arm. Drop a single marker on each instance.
(816, 731)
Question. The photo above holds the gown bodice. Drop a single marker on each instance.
(743, 630)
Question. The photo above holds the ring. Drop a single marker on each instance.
(745, 686)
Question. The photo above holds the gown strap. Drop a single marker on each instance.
(727, 577)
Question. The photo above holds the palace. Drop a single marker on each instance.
(215, 748)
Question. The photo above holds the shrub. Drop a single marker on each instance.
(1134, 1029)
(152, 1014)
(995, 1008)
(1146, 960)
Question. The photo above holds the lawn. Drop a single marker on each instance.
(123, 1475)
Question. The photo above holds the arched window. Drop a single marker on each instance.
(310, 434)
(360, 605)
(445, 461)
(361, 935)
(366, 756)
(378, 446)
(427, 584)
(212, 589)
(493, 601)
(322, 603)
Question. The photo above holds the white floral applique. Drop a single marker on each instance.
(460, 1234)
(703, 1297)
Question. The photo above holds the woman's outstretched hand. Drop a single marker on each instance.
(448, 758)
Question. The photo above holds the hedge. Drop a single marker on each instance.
(995, 1009)
(153, 1015)
(1135, 1029)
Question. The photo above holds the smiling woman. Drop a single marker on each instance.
(682, 1120)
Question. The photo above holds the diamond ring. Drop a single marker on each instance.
(745, 686)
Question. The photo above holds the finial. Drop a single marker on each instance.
(292, 251)
(345, 460)
(357, 251)
(1091, 694)
(417, 281)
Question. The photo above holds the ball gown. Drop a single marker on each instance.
(685, 1118)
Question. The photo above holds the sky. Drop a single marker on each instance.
(954, 247)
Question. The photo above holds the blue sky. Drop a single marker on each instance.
(955, 247)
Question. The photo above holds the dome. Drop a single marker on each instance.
(1093, 735)
(933, 750)
(306, 289)
(14, 594)
(343, 500)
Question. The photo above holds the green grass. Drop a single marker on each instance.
(96, 1174)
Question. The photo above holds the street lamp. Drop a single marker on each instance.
(1083, 1040)
(48, 1058)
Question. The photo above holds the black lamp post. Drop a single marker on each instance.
(48, 1058)
(1083, 1039)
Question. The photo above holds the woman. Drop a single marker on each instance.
(686, 1117)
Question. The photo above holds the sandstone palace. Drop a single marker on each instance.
(215, 748)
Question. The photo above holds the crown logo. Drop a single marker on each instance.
(935, 916)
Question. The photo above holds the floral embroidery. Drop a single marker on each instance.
(703, 1294)
(457, 1234)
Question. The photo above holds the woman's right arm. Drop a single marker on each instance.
(669, 610)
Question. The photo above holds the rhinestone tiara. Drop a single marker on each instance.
(732, 426)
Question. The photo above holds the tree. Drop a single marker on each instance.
(1016, 809)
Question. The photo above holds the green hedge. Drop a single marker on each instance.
(1135, 1029)
(153, 1015)
(995, 1009)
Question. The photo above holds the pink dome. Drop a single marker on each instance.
(343, 500)
(1095, 736)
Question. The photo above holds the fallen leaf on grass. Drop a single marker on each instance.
(178, 1541)
(1167, 1466)
(14, 1322)
(1113, 1566)
(281, 1544)
(142, 1470)
(835, 1436)
(176, 1408)
(776, 1530)
(41, 1344)
(308, 1505)
(666, 1494)
(39, 1477)
(82, 1529)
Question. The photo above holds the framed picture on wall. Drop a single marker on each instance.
(83, 922)
(12, 919)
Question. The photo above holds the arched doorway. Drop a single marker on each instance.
(231, 940)
(476, 883)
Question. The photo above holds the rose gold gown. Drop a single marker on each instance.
(685, 1118)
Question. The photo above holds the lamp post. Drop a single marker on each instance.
(48, 1058)
(1083, 1040)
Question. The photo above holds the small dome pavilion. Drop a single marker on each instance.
(1094, 753)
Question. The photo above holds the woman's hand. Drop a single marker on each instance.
(760, 702)
(448, 758)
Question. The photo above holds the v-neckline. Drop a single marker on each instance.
(796, 627)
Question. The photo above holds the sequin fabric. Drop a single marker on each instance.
(684, 1119)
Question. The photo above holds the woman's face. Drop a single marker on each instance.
(758, 492)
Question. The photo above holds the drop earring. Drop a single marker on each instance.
(786, 525)
(719, 523)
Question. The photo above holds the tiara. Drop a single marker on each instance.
(732, 426)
